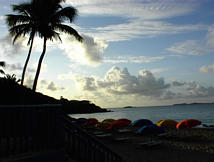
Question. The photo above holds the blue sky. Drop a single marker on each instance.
(135, 52)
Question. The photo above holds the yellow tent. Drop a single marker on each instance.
(105, 123)
(167, 123)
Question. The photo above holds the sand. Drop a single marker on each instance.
(190, 144)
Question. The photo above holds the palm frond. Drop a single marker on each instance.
(13, 20)
(24, 28)
(67, 13)
(23, 8)
(2, 63)
(19, 30)
(69, 30)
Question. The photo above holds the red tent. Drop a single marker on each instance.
(119, 123)
(189, 123)
(91, 122)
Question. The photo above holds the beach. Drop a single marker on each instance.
(190, 144)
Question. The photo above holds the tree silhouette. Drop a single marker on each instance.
(50, 16)
(2, 64)
(21, 24)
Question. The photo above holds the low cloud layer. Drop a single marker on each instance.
(120, 82)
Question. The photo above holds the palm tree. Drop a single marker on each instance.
(50, 16)
(20, 25)
(2, 64)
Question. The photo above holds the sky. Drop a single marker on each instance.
(135, 52)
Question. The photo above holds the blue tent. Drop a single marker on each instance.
(80, 121)
(141, 122)
(150, 129)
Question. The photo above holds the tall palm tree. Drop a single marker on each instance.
(21, 24)
(50, 18)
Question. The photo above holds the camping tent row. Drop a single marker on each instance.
(120, 123)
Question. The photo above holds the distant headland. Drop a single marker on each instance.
(13, 93)
(195, 103)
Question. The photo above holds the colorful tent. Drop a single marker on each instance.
(167, 123)
(150, 129)
(119, 123)
(105, 123)
(91, 122)
(189, 123)
(141, 122)
(80, 121)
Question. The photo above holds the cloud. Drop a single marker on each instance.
(158, 70)
(136, 28)
(145, 9)
(17, 67)
(140, 19)
(210, 36)
(189, 47)
(207, 69)
(49, 85)
(195, 47)
(8, 49)
(88, 52)
(132, 59)
(176, 83)
(43, 84)
(120, 82)
(192, 90)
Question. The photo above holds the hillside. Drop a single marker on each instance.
(12, 93)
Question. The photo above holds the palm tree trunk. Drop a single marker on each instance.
(39, 65)
(26, 62)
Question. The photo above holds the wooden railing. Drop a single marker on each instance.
(33, 128)
(29, 128)
(85, 147)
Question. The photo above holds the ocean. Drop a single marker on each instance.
(202, 112)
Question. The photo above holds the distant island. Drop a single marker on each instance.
(13, 93)
(195, 103)
(128, 107)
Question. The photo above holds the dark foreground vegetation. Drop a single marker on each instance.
(13, 93)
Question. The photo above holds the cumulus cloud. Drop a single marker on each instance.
(120, 82)
(49, 85)
(17, 67)
(177, 83)
(8, 49)
(88, 52)
(207, 69)
(43, 84)
(192, 90)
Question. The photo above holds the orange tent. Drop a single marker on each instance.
(119, 123)
(189, 123)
